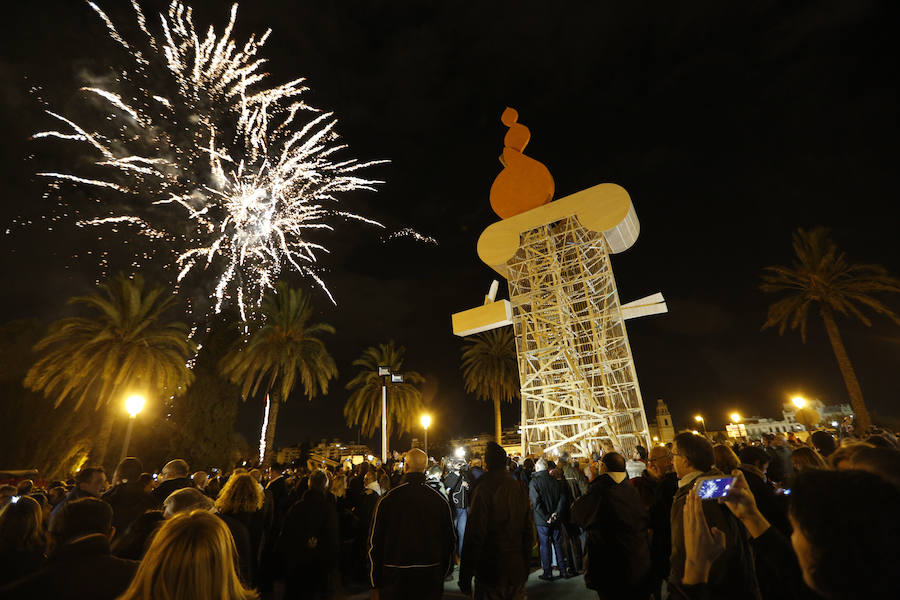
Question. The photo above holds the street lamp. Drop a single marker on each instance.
(426, 422)
(386, 376)
(133, 405)
(702, 421)
(799, 401)
(735, 418)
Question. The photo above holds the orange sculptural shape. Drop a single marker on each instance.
(524, 183)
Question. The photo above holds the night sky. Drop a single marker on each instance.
(730, 124)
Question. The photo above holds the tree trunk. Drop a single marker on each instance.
(101, 443)
(863, 422)
(498, 429)
(269, 434)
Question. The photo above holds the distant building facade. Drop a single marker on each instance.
(662, 431)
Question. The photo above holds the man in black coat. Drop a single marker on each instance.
(89, 483)
(412, 538)
(497, 545)
(175, 476)
(309, 543)
(754, 465)
(659, 467)
(618, 548)
(80, 564)
(127, 497)
(548, 499)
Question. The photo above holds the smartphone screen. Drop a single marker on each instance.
(714, 487)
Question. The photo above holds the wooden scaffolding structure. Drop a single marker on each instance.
(579, 387)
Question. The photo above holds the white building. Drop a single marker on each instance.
(829, 415)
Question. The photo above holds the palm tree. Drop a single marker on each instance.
(125, 343)
(280, 348)
(822, 277)
(490, 369)
(404, 402)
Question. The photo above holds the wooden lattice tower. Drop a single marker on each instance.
(578, 382)
(579, 387)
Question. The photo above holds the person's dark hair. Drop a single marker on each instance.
(615, 462)
(880, 441)
(56, 494)
(24, 487)
(132, 544)
(494, 457)
(641, 452)
(129, 469)
(851, 520)
(145, 478)
(884, 462)
(824, 442)
(81, 517)
(86, 474)
(696, 449)
(753, 455)
(528, 464)
(318, 481)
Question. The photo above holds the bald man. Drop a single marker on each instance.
(412, 538)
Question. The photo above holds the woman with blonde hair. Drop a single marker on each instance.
(240, 505)
(192, 557)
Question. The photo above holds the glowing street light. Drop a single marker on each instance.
(426, 422)
(702, 421)
(133, 405)
(735, 417)
(460, 452)
(799, 401)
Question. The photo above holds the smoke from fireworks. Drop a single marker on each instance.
(189, 125)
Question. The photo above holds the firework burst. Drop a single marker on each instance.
(189, 125)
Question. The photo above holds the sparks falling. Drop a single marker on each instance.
(231, 174)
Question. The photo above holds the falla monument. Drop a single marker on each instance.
(579, 387)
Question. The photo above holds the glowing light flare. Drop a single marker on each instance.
(134, 404)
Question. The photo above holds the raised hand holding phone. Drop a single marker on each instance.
(702, 544)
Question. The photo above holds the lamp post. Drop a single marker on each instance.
(133, 404)
(735, 418)
(426, 421)
(385, 374)
(702, 421)
(799, 401)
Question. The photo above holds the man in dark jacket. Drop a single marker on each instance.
(459, 482)
(80, 563)
(89, 483)
(618, 548)
(755, 464)
(732, 575)
(497, 546)
(309, 542)
(127, 497)
(548, 501)
(175, 475)
(659, 467)
(412, 538)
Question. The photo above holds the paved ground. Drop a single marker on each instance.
(560, 589)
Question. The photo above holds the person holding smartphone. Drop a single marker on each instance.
(732, 574)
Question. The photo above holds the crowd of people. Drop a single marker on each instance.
(819, 519)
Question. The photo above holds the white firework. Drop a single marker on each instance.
(250, 170)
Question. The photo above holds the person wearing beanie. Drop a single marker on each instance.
(498, 537)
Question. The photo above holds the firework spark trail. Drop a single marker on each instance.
(194, 127)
